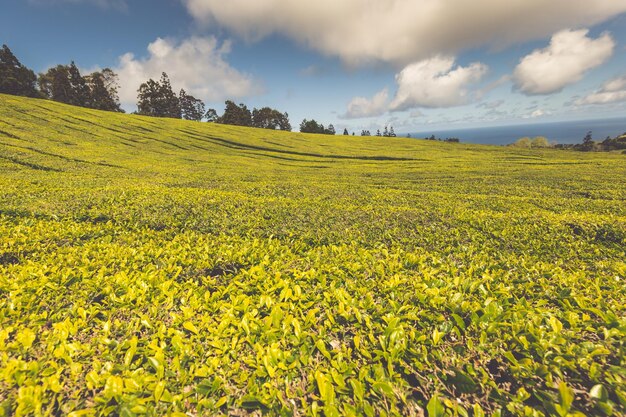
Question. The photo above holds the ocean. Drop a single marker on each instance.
(559, 132)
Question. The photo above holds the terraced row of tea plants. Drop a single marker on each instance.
(163, 267)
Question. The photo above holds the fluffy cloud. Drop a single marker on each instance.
(611, 92)
(195, 64)
(401, 31)
(435, 82)
(569, 56)
(364, 107)
(537, 113)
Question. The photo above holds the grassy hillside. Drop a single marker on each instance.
(152, 267)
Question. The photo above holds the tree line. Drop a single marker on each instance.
(587, 145)
(157, 98)
(617, 143)
(63, 83)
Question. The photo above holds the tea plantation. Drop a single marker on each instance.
(162, 267)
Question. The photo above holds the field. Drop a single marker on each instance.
(164, 267)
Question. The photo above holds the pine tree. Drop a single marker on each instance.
(15, 78)
(237, 115)
(191, 108)
(80, 94)
(158, 99)
(103, 90)
(345, 132)
(60, 88)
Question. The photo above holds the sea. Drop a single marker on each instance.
(557, 132)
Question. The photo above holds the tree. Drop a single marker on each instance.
(236, 115)
(392, 134)
(158, 99)
(268, 118)
(345, 132)
(539, 142)
(211, 116)
(191, 108)
(15, 78)
(365, 133)
(80, 94)
(588, 142)
(55, 84)
(378, 132)
(284, 123)
(386, 132)
(103, 88)
(311, 126)
(524, 142)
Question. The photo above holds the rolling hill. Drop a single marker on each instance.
(154, 266)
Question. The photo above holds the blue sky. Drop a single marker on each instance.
(415, 64)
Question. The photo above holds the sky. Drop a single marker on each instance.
(416, 65)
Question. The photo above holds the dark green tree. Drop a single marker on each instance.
(345, 132)
(237, 115)
(330, 130)
(588, 142)
(191, 108)
(15, 78)
(268, 118)
(103, 88)
(55, 84)
(211, 116)
(156, 98)
(80, 93)
(392, 134)
(311, 126)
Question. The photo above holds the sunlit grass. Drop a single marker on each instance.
(153, 266)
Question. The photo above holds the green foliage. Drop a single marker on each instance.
(236, 115)
(157, 99)
(312, 126)
(536, 142)
(191, 108)
(164, 267)
(103, 86)
(268, 118)
(15, 78)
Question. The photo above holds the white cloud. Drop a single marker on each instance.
(537, 113)
(611, 92)
(401, 31)
(435, 82)
(363, 107)
(196, 64)
(565, 61)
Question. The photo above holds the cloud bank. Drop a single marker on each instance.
(612, 91)
(196, 64)
(401, 31)
(565, 61)
(363, 107)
